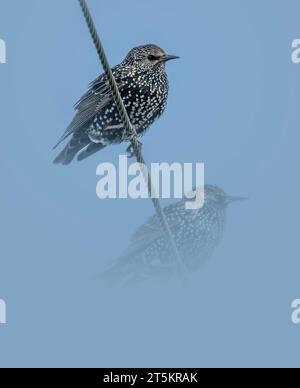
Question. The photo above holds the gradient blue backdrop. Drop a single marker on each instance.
(234, 104)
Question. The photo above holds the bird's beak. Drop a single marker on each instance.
(167, 58)
(231, 199)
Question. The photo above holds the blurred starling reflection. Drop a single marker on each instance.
(197, 233)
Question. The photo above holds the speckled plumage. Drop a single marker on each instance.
(143, 84)
(197, 233)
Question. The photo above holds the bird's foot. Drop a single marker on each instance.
(131, 150)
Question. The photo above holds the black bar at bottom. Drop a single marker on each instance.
(104, 377)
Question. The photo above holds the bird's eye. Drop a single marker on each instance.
(153, 57)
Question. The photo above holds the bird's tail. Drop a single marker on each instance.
(118, 275)
(123, 275)
(77, 143)
(91, 149)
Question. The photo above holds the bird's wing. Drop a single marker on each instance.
(92, 102)
(152, 230)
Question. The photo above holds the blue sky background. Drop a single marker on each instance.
(234, 104)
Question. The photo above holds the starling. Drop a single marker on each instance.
(143, 84)
(197, 233)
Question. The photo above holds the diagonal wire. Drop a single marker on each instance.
(134, 138)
